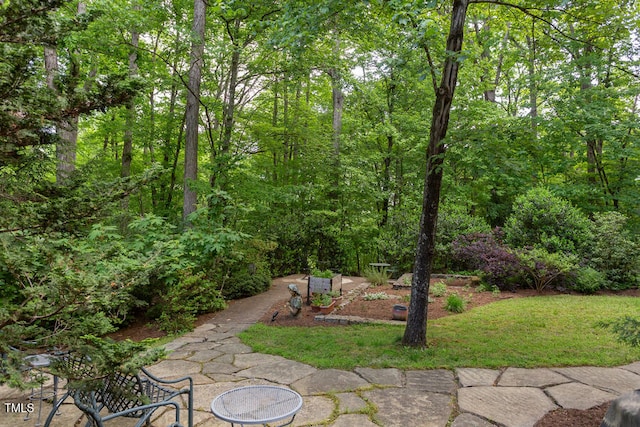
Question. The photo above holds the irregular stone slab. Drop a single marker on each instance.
(578, 396)
(201, 379)
(226, 358)
(519, 377)
(214, 336)
(234, 348)
(327, 381)
(171, 368)
(315, 410)
(435, 380)
(402, 407)
(624, 411)
(179, 342)
(634, 367)
(219, 368)
(390, 376)
(510, 406)
(204, 394)
(249, 360)
(168, 416)
(470, 420)
(350, 402)
(179, 354)
(616, 380)
(204, 356)
(199, 346)
(353, 420)
(472, 377)
(281, 371)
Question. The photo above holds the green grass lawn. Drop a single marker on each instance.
(522, 332)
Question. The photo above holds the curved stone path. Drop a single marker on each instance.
(217, 361)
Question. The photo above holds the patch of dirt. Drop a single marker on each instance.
(381, 309)
(574, 417)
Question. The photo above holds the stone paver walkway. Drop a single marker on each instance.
(217, 361)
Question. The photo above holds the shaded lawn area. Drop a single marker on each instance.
(524, 332)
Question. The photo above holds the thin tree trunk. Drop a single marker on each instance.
(415, 333)
(193, 109)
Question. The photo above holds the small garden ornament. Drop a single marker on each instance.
(295, 302)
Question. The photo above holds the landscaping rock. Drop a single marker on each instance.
(624, 411)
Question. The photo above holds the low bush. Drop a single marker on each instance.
(455, 303)
(438, 289)
(544, 268)
(376, 276)
(485, 252)
(587, 280)
(375, 296)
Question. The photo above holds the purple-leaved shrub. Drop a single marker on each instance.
(486, 252)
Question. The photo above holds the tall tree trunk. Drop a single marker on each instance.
(127, 146)
(533, 87)
(337, 97)
(228, 119)
(193, 109)
(415, 333)
(68, 128)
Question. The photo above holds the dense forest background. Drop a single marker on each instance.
(165, 155)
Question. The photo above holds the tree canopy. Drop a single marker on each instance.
(180, 147)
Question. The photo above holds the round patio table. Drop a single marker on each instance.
(257, 404)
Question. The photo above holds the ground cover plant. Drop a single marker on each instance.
(525, 332)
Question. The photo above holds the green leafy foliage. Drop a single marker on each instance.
(454, 221)
(614, 251)
(588, 280)
(627, 328)
(543, 220)
(377, 276)
(438, 289)
(544, 267)
(455, 303)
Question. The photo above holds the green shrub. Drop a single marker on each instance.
(588, 280)
(438, 289)
(192, 295)
(543, 220)
(376, 276)
(544, 268)
(613, 251)
(455, 303)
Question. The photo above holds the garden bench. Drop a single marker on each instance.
(122, 395)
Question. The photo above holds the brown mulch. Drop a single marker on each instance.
(574, 417)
